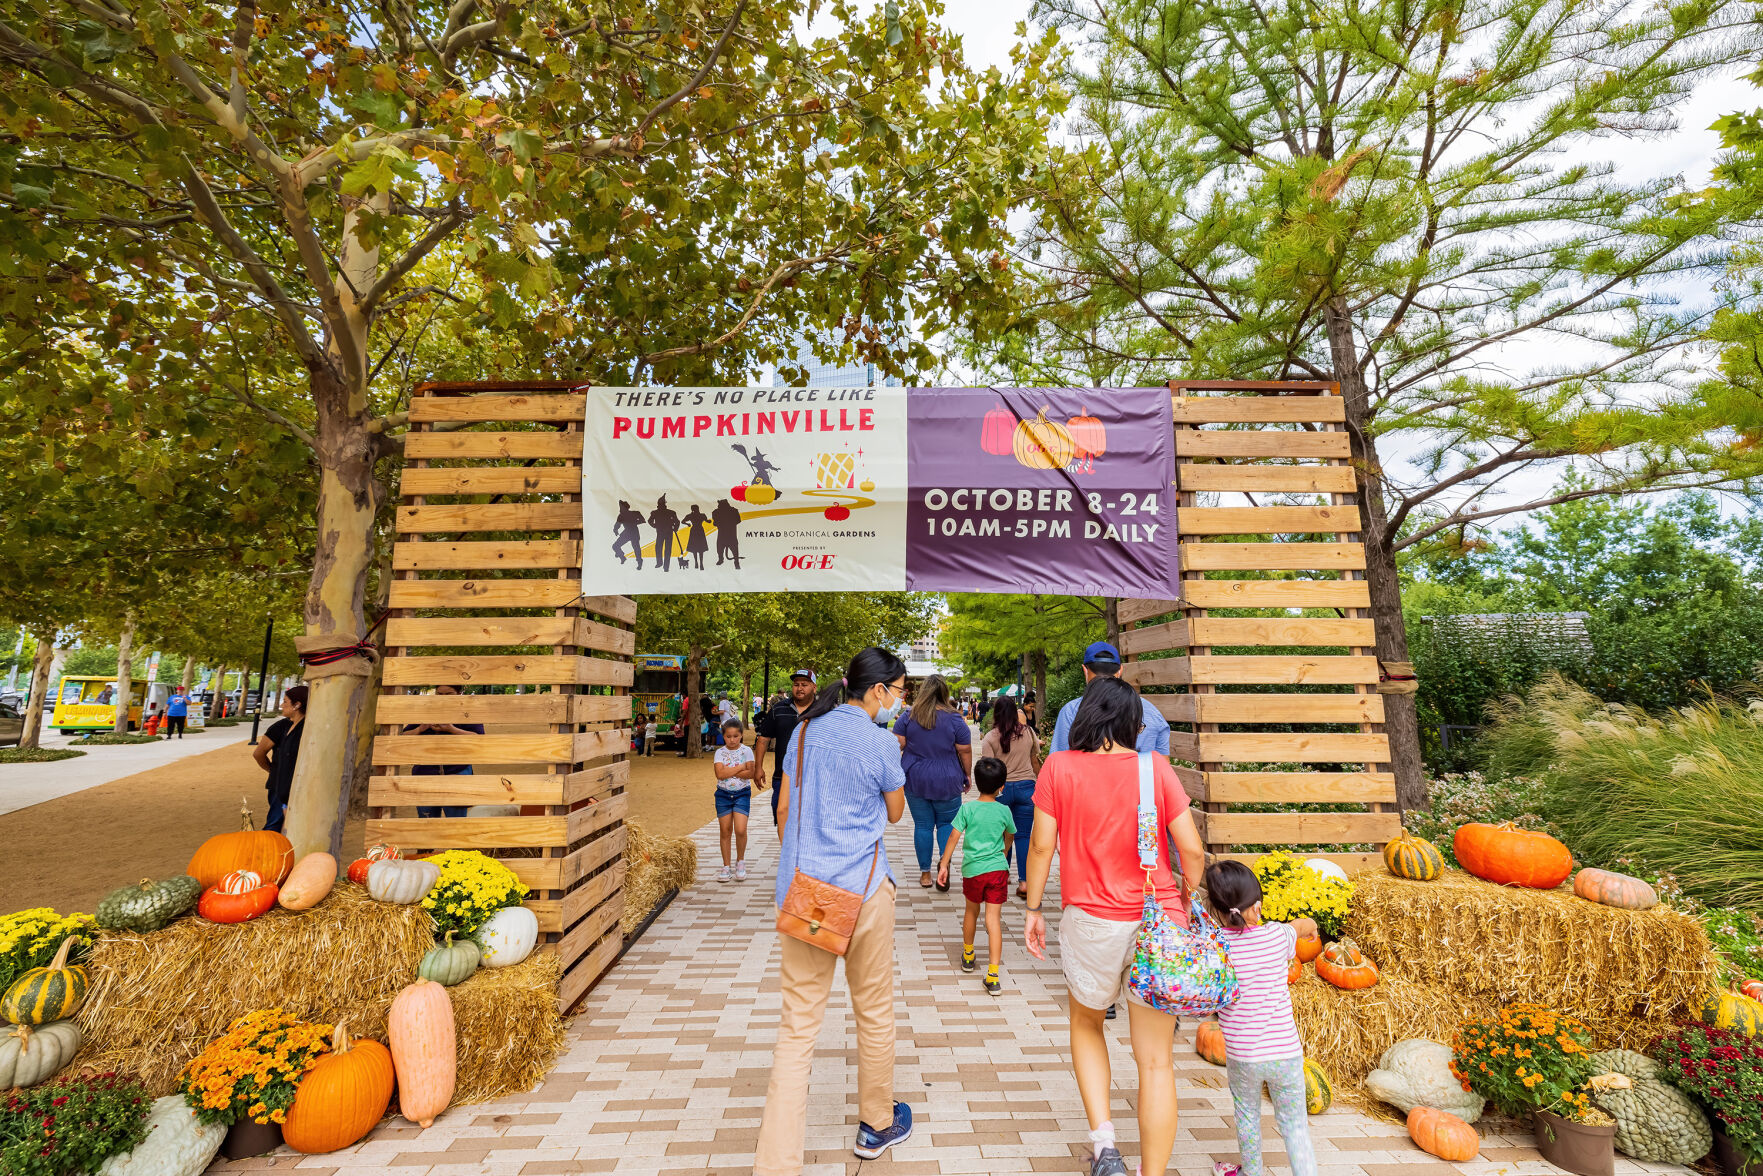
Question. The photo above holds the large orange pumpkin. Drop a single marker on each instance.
(1209, 1042)
(1443, 1134)
(1343, 965)
(995, 431)
(268, 855)
(1512, 856)
(420, 1030)
(1752, 989)
(1309, 947)
(1089, 436)
(1042, 445)
(341, 1098)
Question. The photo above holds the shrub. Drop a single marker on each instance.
(37, 755)
(1723, 1071)
(112, 739)
(1674, 656)
(70, 1125)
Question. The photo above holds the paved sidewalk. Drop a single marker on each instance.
(667, 1068)
(22, 785)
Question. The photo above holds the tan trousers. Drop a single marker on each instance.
(806, 975)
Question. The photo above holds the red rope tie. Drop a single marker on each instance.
(363, 648)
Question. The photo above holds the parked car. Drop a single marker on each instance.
(11, 723)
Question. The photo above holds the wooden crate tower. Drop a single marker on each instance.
(506, 459)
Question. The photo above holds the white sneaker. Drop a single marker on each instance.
(725, 875)
(740, 871)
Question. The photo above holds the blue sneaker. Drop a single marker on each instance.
(872, 1143)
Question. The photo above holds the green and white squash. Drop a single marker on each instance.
(450, 962)
(1655, 1121)
(148, 905)
(30, 1054)
(177, 1143)
(400, 880)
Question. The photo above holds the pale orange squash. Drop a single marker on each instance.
(1443, 1134)
(424, 1054)
(309, 881)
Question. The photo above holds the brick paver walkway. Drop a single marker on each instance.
(667, 1067)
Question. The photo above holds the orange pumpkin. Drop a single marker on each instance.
(1343, 965)
(239, 897)
(1443, 1134)
(1309, 947)
(379, 853)
(1042, 445)
(309, 881)
(1209, 1042)
(1089, 436)
(1512, 856)
(1616, 890)
(419, 1027)
(995, 431)
(268, 855)
(341, 1098)
(1752, 989)
(1294, 971)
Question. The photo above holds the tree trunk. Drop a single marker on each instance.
(1039, 661)
(189, 675)
(42, 660)
(216, 688)
(692, 716)
(1401, 722)
(125, 671)
(1111, 614)
(746, 699)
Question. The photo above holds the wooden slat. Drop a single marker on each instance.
(1184, 745)
(557, 915)
(539, 553)
(1282, 631)
(595, 942)
(1271, 557)
(581, 976)
(397, 750)
(1301, 828)
(492, 480)
(1269, 708)
(591, 634)
(1299, 787)
(546, 443)
(1143, 610)
(1261, 520)
(399, 709)
(1254, 410)
(492, 516)
(1151, 638)
(1211, 594)
(492, 833)
(1352, 863)
(508, 670)
(1158, 671)
(546, 406)
(580, 631)
(1273, 670)
(1244, 443)
(1304, 747)
(545, 873)
(496, 788)
(1265, 479)
(618, 608)
(508, 593)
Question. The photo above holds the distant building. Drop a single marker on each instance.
(925, 649)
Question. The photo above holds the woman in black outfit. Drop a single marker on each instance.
(277, 753)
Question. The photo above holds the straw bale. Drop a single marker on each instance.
(653, 866)
(507, 1026)
(1471, 939)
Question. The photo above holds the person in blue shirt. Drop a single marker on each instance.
(1102, 660)
(177, 712)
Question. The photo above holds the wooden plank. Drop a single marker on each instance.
(1352, 863)
(589, 930)
(1299, 787)
(1223, 443)
(547, 443)
(1144, 610)
(1305, 747)
(1258, 520)
(471, 832)
(1282, 631)
(538, 553)
(547, 406)
(580, 631)
(581, 976)
(496, 592)
(1184, 745)
(1301, 828)
(399, 709)
(1265, 479)
(617, 608)
(602, 850)
(1158, 671)
(1274, 670)
(557, 915)
(1255, 410)
(492, 516)
(591, 634)
(1269, 708)
(1151, 638)
(491, 480)
(1211, 594)
(479, 788)
(1271, 557)
(398, 750)
(508, 670)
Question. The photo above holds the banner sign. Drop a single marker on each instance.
(1053, 490)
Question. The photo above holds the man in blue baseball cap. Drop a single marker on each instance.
(1102, 660)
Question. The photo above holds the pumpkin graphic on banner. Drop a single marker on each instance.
(996, 431)
(1041, 444)
(1089, 437)
(835, 471)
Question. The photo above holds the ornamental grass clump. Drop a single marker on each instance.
(1527, 1058)
(1723, 1071)
(471, 888)
(1290, 889)
(251, 1071)
(71, 1124)
(29, 939)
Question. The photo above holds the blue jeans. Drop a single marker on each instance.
(1019, 797)
(446, 810)
(929, 815)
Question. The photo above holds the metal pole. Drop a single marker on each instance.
(765, 690)
(262, 681)
(17, 652)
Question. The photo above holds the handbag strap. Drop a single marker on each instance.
(1151, 833)
(796, 807)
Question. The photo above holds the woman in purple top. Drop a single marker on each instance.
(937, 753)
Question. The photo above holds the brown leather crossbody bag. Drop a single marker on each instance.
(814, 911)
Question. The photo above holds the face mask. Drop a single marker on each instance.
(890, 712)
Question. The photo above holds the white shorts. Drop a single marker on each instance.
(1095, 955)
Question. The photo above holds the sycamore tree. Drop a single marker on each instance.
(1421, 201)
(663, 192)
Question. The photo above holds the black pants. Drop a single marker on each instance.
(174, 725)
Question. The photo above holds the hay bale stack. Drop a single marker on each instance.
(652, 867)
(508, 1028)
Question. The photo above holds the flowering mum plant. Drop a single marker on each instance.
(1290, 889)
(1722, 1070)
(472, 887)
(1526, 1058)
(70, 1125)
(251, 1070)
(28, 939)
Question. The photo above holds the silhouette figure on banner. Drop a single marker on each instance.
(762, 469)
(665, 522)
(624, 530)
(695, 544)
(727, 521)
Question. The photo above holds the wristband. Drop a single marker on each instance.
(1034, 910)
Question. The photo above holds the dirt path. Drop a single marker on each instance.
(70, 852)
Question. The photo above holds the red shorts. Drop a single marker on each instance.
(993, 887)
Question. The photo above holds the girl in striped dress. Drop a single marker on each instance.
(1261, 1043)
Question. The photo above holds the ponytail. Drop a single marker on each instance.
(869, 667)
(1231, 889)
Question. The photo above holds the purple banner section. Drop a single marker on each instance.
(1048, 490)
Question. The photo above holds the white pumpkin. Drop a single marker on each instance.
(1328, 869)
(177, 1143)
(493, 810)
(400, 880)
(30, 1054)
(508, 936)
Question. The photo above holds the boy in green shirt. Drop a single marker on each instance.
(988, 829)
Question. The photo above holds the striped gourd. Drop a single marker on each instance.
(1729, 1010)
(1414, 858)
(42, 995)
(1318, 1092)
